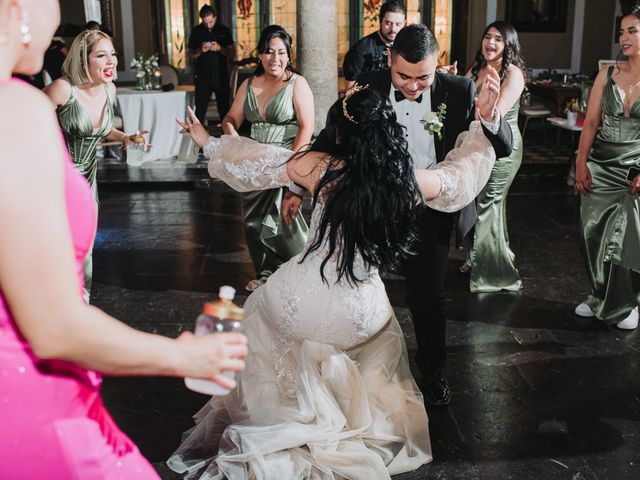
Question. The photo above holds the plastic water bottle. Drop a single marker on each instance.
(217, 317)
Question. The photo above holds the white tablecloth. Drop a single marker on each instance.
(154, 111)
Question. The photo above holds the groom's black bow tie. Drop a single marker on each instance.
(399, 96)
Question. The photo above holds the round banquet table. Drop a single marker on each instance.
(155, 111)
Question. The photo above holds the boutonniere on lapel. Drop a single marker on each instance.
(433, 122)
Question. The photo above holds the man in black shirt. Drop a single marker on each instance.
(370, 53)
(211, 47)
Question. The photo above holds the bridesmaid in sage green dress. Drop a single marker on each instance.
(491, 261)
(279, 105)
(607, 177)
(84, 99)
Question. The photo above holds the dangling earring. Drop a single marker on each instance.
(24, 29)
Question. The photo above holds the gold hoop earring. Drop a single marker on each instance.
(24, 29)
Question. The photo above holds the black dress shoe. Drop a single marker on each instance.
(436, 389)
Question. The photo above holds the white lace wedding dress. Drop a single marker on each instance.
(327, 392)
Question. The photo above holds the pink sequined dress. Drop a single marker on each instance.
(53, 423)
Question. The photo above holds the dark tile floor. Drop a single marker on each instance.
(538, 393)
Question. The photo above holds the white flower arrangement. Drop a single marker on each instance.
(433, 122)
(146, 69)
(144, 65)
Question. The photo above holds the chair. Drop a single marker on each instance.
(607, 63)
(531, 110)
(169, 75)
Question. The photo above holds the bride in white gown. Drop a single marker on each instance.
(327, 392)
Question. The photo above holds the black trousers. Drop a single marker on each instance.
(205, 86)
(424, 283)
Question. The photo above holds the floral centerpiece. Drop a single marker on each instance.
(147, 72)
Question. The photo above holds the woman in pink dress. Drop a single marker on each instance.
(54, 424)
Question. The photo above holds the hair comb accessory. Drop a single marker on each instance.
(356, 88)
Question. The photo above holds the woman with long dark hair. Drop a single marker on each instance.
(328, 391)
(278, 103)
(607, 171)
(491, 261)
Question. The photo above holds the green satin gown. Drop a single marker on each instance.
(610, 215)
(82, 141)
(271, 242)
(492, 261)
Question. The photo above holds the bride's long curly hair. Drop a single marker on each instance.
(369, 190)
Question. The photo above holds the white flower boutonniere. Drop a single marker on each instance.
(434, 121)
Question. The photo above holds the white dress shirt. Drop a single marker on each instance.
(422, 147)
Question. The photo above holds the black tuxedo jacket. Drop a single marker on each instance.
(457, 93)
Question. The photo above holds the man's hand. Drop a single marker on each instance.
(290, 205)
(489, 95)
(206, 46)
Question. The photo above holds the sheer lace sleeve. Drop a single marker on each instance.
(246, 165)
(465, 170)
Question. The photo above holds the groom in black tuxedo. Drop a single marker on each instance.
(415, 88)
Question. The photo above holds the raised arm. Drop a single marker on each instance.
(458, 180)
(246, 165)
(511, 89)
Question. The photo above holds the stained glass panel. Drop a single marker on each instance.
(343, 29)
(442, 27)
(246, 27)
(283, 13)
(176, 31)
(369, 20)
(413, 11)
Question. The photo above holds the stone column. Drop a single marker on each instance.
(317, 52)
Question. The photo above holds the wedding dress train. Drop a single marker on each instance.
(327, 392)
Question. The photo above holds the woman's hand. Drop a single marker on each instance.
(209, 355)
(126, 140)
(635, 185)
(583, 179)
(451, 69)
(192, 125)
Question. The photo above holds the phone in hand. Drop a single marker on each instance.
(633, 173)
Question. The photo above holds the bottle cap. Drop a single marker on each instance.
(224, 308)
(136, 137)
(227, 293)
